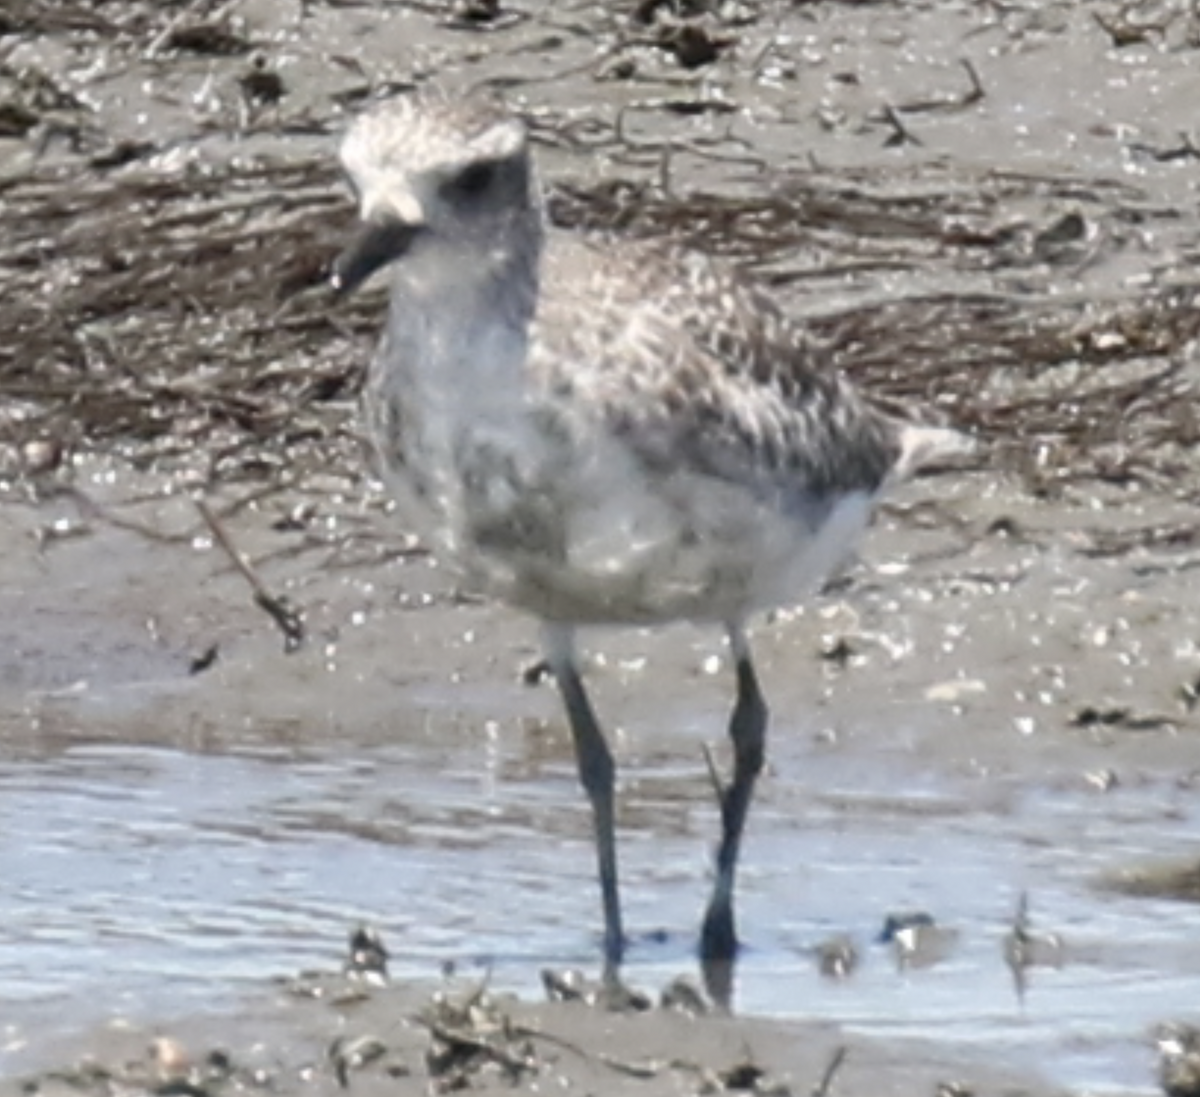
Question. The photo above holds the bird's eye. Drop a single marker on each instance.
(473, 181)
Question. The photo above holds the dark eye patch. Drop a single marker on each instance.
(473, 181)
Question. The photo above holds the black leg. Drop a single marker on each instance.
(747, 730)
(596, 774)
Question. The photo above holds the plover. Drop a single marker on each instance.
(600, 431)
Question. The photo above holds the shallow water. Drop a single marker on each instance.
(149, 880)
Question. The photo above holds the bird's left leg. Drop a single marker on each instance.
(748, 733)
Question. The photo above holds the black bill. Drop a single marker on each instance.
(378, 242)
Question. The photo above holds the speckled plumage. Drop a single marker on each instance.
(695, 367)
(598, 430)
(656, 440)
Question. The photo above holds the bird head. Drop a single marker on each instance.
(432, 172)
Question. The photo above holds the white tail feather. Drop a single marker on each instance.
(921, 447)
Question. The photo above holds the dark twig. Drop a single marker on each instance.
(949, 102)
(821, 1089)
(1185, 150)
(900, 135)
(288, 619)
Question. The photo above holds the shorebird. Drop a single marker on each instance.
(600, 431)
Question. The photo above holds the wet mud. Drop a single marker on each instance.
(230, 731)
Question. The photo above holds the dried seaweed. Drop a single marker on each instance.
(154, 316)
(153, 311)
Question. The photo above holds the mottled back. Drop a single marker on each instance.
(695, 366)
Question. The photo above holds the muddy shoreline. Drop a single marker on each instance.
(325, 1033)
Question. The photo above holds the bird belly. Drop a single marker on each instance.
(718, 560)
(598, 540)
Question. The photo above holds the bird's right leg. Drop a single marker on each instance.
(596, 774)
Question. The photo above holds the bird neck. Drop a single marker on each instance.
(458, 339)
(463, 310)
